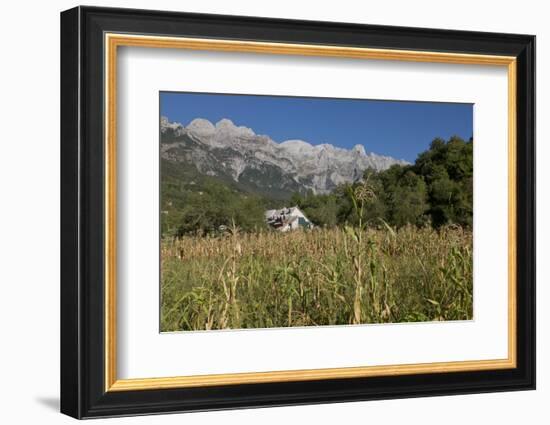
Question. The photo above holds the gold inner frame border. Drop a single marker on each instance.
(111, 43)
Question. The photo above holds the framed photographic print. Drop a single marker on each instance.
(261, 212)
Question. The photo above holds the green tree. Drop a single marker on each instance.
(407, 202)
(447, 168)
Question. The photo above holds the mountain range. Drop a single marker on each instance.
(258, 164)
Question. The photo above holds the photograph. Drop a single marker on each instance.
(285, 211)
(264, 210)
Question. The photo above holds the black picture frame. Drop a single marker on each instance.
(83, 392)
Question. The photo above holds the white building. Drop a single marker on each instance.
(287, 219)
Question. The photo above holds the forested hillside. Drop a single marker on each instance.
(435, 190)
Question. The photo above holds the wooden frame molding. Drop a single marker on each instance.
(114, 40)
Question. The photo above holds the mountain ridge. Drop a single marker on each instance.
(261, 164)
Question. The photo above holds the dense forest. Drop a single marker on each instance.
(436, 190)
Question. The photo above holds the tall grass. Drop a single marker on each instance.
(320, 277)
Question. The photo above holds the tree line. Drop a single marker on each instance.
(436, 190)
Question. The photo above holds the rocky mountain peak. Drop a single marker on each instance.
(165, 124)
(225, 123)
(258, 161)
(201, 127)
(360, 149)
(227, 126)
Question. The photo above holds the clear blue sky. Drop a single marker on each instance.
(398, 129)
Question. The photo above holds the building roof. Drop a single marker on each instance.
(269, 213)
(285, 215)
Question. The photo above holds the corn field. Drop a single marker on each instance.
(332, 276)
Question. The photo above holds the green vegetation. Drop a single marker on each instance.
(321, 277)
(196, 204)
(395, 247)
(436, 190)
